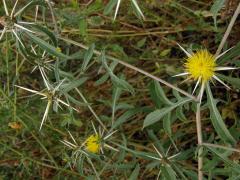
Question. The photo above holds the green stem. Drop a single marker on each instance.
(134, 68)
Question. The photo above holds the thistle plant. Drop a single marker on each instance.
(201, 66)
(93, 144)
(12, 23)
(164, 160)
(117, 111)
(51, 95)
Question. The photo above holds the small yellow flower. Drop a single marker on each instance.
(93, 143)
(201, 65)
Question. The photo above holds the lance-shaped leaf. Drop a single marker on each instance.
(158, 95)
(87, 57)
(217, 120)
(74, 84)
(216, 7)
(137, 8)
(234, 81)
(158, 114)
(121, 83)
(135, 173)
(167, 124)
(168, 172)
(109, 7)
(234, 52)
(48, 47)
(234, 166)
(126, 116)
(47, 32)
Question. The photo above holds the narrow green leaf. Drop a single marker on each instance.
(135, 173)
(177, 95)
(109, 7)
(191, 174)
(122, 83)
(80, 165)
(216, 7)
(115, 96)
(87, 56)
(122, 166)
(158, 114)
(156, 140)
(103, 79)
(234, 81)
(168, 172)
(83, 26)
(179, 171)
(116, 81)
(154, 95)
(217, 120)
(179, 113)
(46, 46)
(167, 124)
(235, 166)
(138, 11)
(47, 32)
(141, 154)
(73, 84)
(75, 101)
(142, 42)
(234, 52)
(125, 116)
(161, 94)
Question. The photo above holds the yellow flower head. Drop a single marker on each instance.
(93, 144)
(201, 65)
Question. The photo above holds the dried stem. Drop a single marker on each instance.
(134, 68)
(199, 136)
(229, 28)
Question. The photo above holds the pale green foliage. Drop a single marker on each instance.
(146, 126)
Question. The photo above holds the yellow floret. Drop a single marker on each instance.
(93, 144)
(201, 65)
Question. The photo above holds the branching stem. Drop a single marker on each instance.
(134, 68)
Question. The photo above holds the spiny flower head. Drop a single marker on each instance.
(93, 143)
(201, 65)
